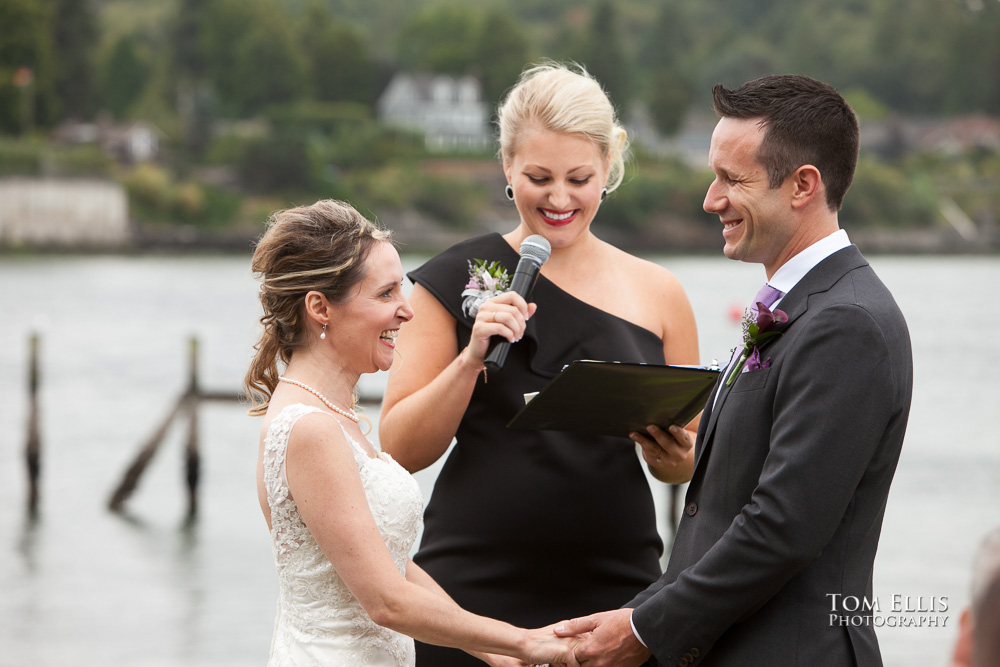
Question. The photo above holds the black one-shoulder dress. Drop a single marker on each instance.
(533, 527)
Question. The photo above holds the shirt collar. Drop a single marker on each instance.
(792, 271)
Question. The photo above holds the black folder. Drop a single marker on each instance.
(615, 398)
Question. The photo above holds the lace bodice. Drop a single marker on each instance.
(319, 621)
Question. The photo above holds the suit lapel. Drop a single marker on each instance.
(819, 279)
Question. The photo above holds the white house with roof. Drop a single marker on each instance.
(448, 110)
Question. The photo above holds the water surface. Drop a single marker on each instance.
(81, 586)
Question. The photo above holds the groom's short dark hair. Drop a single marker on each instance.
(806, 122)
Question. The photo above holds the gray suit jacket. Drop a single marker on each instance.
(792, 470)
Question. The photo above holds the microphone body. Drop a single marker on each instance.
(535, 251)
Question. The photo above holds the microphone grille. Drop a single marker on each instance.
(537, 248)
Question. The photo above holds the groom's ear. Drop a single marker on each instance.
(807, 183)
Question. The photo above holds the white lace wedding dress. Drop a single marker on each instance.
(318, 621)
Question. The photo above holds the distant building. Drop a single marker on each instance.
(448, 110)
(128, 143)
(897, 135)
(690, 144)
(959, 135)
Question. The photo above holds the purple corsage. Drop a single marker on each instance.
(485, 282)
(755, 332)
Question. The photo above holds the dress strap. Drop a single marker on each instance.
(276, 449)
(281, 428)
(360, 455)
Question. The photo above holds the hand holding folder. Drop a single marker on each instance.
(614, 398)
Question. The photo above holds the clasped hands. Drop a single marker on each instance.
(599, 640)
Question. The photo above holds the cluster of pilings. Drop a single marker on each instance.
(186, 408)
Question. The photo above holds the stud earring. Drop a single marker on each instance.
(322, 335)
(604, 194)
(509, 191)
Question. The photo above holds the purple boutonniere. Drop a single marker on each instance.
(755, 332)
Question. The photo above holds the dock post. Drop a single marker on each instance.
(33, 447)
(192, 455)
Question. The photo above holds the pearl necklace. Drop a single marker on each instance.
(350, 414)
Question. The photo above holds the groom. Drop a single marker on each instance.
(772, 563)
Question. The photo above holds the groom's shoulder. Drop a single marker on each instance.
(860, 306)
(869, 291)
(852, 279)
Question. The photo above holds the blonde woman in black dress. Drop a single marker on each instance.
(536, 527)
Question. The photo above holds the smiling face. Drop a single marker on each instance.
(557, 181)
(757, 221)
(364, 327)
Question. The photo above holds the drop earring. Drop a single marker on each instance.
(509, 191)
(604, 194)
(322, 335)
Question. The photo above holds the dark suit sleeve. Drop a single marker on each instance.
(835, 392)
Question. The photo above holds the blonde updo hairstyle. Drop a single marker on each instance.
(568, 100)
(321, 247)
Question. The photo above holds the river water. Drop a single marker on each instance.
(82, 586)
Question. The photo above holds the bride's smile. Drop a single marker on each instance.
(365, 327)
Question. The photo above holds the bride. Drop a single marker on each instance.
(343, 516)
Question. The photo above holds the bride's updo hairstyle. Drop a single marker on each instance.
(568, 100)
(322, 247)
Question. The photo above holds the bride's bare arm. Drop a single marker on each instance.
(324, 481)
(416, 575)
(431, 381)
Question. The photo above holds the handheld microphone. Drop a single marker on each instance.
(535, 250)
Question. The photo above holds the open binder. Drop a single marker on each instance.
(614, 398)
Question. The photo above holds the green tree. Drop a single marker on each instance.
(501, 52)
(269, 69)
(340, 68)
(277, 163)
(910, 72)
(188, 56)
(75, 40)
(27, 66)
(748, 57)
(194, 91)
(670, 90)
(669, 99)
(975, 62)
(251, 54)
(439, 39)
(124, 75)
(602, 53)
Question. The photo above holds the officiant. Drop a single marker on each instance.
(518, 519)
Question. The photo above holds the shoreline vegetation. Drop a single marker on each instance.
(200, 119)
(58, 201)
(415, 235)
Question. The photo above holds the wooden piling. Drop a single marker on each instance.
(131, 478)
(33, 446)
(186, 407)
(192, 456)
